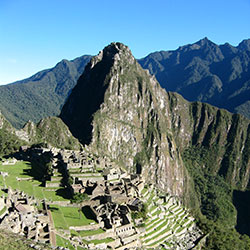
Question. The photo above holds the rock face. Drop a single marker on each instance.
(203, 71)
(122, 112)
(50, 130)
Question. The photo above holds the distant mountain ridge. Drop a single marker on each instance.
(203, 71)
(41, 95)
(206, 72)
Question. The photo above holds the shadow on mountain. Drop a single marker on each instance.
(87, 97)
(241, 201)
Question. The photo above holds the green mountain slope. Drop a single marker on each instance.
(49, 131)
(206, 72)
(9, 141)
(41, 95)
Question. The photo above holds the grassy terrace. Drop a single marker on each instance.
(160, 225)
(158, 230)
(64, 243)
(64, 217)
(107, 240)
(3, 210)
(86, 233)
(158, 235)
(31, 187)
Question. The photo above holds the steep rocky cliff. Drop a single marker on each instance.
(122, 112)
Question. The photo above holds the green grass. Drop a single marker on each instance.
(180, 229)
(88, 232)
(73, 218)
(63, 243)
(157, 228)
(175, 227)
(144, 190)
(53, 196)
(11, 181)
(153, 225)
(152, 208)
(157, 235)
(178, 211)
(58, 218)
(157, 212)
(17, 169)
(26, 187)
(30, 187)
(152, 195)
(159, 242)
(64, 217)
(149, 222)
(3, 210)
(189, 224)
(80, 248)
(38, 192)
(107, 240)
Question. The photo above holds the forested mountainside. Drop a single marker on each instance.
(41, 95)
(206, 72)
(203, 71)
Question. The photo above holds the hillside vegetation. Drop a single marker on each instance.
(206, 72)
(41, 95)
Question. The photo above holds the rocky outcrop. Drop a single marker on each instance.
(50, 131)
(129, 119)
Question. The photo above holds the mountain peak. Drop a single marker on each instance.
(115, 108)
(113, 52)
(244, 45)
(204, 41)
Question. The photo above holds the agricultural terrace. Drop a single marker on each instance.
(20, 177)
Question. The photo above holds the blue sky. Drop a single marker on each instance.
(36, 34)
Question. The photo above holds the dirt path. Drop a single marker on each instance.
(52, 235)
